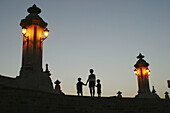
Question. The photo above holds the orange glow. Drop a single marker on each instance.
(46, 32)
(40, 33)
(144, 71)
(24, 30)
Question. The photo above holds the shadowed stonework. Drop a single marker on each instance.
(29, 101)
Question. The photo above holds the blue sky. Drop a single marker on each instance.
(105, 35)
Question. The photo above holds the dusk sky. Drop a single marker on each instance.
(105, 35)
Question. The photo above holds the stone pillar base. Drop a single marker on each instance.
(147, 95)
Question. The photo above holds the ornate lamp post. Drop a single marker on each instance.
(142, 71)
(33, 28)
(34, 33)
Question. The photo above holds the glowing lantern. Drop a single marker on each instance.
(148, 71)
(46, 32)
(24, 30)
(135, 72)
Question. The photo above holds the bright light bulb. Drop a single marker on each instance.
(24, 30)
(46, 32)
(149, 73)
(135, 71)
(147, 70)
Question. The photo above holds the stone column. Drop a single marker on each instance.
(143, 73)
(31, 73)
(32, 42)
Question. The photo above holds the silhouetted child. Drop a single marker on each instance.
(98, 88)
(80, 87)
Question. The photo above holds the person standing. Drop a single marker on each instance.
(80, 87)
(98, 88)
(91, 79)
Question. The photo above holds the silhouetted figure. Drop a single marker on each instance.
(119, 94)
(91, 79)
(166, 95)
(98, 88)
(57, 86)
(153, 90)
(80, 87)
